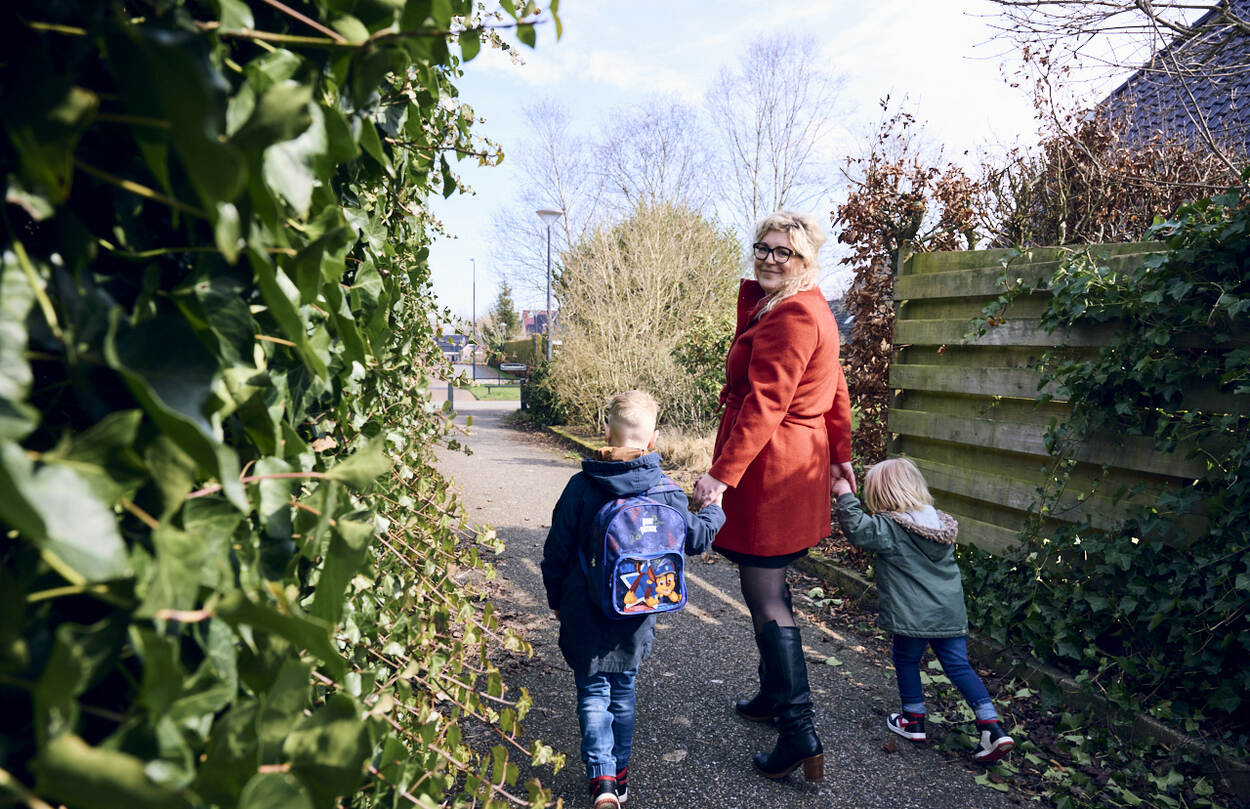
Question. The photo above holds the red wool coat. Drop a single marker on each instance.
(787, 414)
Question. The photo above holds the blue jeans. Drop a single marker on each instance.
(605, 711)
(952, 653)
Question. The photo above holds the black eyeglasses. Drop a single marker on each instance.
(780, 254)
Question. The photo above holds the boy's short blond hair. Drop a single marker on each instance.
(632, 413)
(895, 485)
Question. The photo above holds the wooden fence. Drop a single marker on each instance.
(965, 410)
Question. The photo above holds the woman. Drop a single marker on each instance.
(786, 416)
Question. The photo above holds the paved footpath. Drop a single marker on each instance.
(691, 751)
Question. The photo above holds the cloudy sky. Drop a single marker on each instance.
(939, 54)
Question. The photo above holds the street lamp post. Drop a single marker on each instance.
(473, 261)
(548, 216)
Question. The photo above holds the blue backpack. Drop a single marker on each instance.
(635, 562)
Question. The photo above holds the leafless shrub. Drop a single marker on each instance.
(627, 295)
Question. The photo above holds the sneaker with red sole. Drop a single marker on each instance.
(622, 785)
(994, 743)
(908, 725)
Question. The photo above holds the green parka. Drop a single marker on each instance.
(920, 592)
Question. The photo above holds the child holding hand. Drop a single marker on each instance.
(920, 594)
(604, 653)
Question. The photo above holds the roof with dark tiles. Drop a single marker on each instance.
(1156, 101)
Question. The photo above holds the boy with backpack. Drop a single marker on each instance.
(613, 560)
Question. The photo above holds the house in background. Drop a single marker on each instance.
(534, 321)
(453, 346)
(843, 318)
(1196, 82)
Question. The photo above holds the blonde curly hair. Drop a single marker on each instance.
(806, 237)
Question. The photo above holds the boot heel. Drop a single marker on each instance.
(814, 767)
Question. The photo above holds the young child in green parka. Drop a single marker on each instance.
(920, 594)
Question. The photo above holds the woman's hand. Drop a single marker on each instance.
(842, 471)
(707, 489)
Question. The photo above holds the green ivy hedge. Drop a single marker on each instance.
(1143, 621)
(231, 575)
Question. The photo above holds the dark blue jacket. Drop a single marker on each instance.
(590, 641)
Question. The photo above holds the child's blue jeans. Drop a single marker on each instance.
(952, 653)
(605, 711)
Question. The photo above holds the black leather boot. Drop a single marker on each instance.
(761, 707)
(797, 743)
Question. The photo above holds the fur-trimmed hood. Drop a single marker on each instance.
(929, 523)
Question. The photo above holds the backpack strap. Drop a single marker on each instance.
(665, 486)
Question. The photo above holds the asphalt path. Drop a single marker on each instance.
(690, 749)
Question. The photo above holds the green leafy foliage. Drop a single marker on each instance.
(1152, 609)
(701, 355)
(231, 574)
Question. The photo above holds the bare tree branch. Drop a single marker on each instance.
(771, 114)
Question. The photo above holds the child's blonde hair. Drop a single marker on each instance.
(632, 415)
(895, 485)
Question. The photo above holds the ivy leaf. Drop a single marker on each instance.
(1226, 698)
(348, 550)
(173, 581)
(17, 297)
(36, 206)
(72, 772)
(328, 749)
(230, 757)
(303, 632)
(341, 144)
(174, 394)
(226, 231)
(267, 790)
(449, 179)
(372, 144)
(162, 673)
(283, 706)
(470, 44)
(364, 466)
(169, 76)
(45, 129)
(79, 656)
(280, 296)
(274, 512)
(983, 779)
(54, 507)
(352, 29)
(235, 15)
(290, 167)
(525, 32)
(282, 113)
(555, 17)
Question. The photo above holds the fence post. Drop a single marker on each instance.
(451, 395)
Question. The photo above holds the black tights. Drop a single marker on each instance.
(767, 595)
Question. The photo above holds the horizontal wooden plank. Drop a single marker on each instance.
(1022, 383)
(1014, 332)
(988, 279)
(1125, 452)
(1018, 383)
(921, 263)
(991, 538)
(1102, 512)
